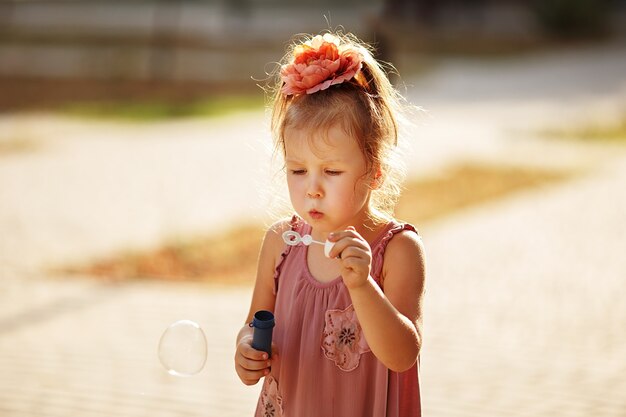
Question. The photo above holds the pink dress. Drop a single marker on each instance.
(325, 366)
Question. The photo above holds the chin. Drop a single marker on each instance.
(319, 224)
(316, 222)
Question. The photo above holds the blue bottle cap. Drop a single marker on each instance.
(263, 319)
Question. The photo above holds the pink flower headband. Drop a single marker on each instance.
(319, 63)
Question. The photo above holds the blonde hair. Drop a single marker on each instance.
(367, 107)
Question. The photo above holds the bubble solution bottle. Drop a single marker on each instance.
(263, 325)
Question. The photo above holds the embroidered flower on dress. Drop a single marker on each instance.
(271, 402)
(319, 63)
(343, 341)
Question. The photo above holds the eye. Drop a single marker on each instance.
(297, 171)
(333, 172)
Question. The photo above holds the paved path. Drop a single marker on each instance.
(91, 350)
(107, 187)
(524, 315)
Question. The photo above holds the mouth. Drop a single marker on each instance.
(316, 215)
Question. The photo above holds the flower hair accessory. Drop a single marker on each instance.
(319, 63)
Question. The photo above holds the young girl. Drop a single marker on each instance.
(348, 325)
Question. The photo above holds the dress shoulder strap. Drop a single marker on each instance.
(378, 251)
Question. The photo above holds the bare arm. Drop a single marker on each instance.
(391, 321)
(250, 364)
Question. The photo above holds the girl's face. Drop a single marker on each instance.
(327, 180)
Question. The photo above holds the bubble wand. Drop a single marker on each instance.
(293, 238)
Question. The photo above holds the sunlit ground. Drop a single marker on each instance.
(230, 258)
(523, 315)
(21, 144)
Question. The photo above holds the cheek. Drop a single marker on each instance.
(360, 191)
(295, 189)
(349, 192)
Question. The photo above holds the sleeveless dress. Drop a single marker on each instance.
(325, 367)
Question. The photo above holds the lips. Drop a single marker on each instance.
(316, 215)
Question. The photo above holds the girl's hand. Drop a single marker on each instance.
(355, 256)
(251, 364)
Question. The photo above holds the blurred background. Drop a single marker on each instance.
(63, 51)
(137, 177)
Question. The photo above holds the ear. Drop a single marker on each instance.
(376, 178)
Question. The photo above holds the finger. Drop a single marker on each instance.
(348, 242)
(356, 265)
(336, 236)
(354, 252)
(251, 378)
(247, 351)
(252, 365)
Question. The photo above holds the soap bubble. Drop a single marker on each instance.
(183, 348)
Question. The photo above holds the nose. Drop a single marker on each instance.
(314, 190)
(314, 194)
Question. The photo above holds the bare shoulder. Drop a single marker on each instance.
(273, 243)
(405, 244)
(403, 275)
(274, 233)
(405, 257)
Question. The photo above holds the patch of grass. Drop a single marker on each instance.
(593, 132)
(147, 111)
(230, 258)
